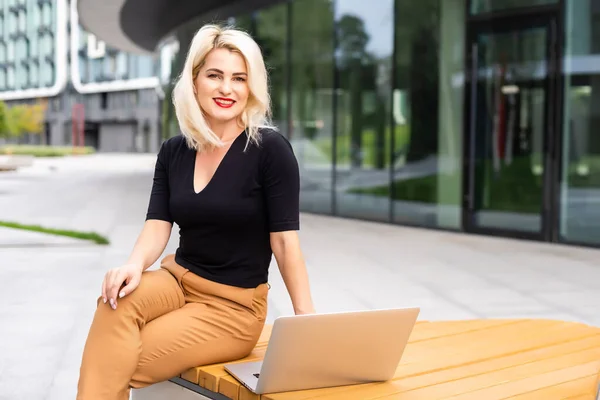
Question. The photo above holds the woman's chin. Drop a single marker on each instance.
(223, 116)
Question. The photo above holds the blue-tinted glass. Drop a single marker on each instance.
(427, 113)
(580, 183)
(485, 6)
(312, 90)
(365, 37)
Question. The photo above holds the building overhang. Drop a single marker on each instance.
(138, 26)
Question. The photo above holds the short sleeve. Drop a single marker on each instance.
(158, 207)
(281, 180)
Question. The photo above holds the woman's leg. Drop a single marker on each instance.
(219, 323)
(112, 351)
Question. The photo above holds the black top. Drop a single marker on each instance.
(224, 229)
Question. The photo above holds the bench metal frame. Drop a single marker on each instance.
(198, 389)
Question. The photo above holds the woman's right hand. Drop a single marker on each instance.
(120, 282)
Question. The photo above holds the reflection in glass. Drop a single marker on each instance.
(580, 183)
(364, 67)
(428, 113)
(509, 112)
(311, 103)
(485, 6)
(271, 36)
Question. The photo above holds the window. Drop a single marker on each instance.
(312, 91)
(22, 21)
(36, 16)
(427, 113)
(121, 65)
(365, 47)
(11, 77)
(34, 75)
(145, 67)
(580, 183)
(485, 6)
(34, 45)
(271, 34)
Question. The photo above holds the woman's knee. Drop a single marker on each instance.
(157, 293)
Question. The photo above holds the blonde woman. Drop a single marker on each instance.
(231, 183)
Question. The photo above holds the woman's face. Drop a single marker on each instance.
(222, 86)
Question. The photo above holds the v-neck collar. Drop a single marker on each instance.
(223, 160)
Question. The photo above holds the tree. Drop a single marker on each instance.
(4, 131)
(417, 71)
(352, 46)
(25, 118)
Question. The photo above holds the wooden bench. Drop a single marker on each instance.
(463, 360)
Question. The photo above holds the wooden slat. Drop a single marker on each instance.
(450, 328)
(419, 358)
(502, 336)
(535, 382)
(582, 397)
(245, 394)
(519, 372)
(489, 365)
(323, 393)
(562, 391)
(229, 387)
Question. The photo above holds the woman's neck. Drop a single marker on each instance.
(226, 131)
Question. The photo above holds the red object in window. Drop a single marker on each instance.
(78, 124)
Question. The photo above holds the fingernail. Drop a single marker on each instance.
(104, 300)
(112, 304)
(121, 295)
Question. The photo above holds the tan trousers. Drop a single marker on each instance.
(173, 321)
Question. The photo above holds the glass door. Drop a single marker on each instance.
(509, 126)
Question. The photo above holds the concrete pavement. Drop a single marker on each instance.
(51, 284)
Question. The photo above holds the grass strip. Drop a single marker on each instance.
(95, 237)
(45, 151)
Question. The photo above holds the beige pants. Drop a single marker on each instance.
(173, 321)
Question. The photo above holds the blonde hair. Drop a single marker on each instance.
(192, 121)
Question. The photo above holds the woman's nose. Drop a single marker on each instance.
(225, 87)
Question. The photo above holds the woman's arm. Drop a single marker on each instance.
(119, 282)
(150, 243)
(286, 248)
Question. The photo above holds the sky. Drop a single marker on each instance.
(378, 17)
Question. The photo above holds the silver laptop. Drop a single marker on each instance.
(324, 350)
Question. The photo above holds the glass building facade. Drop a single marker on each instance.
(98, 63)
(45, 54)
(465, 115)
(33, 36)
